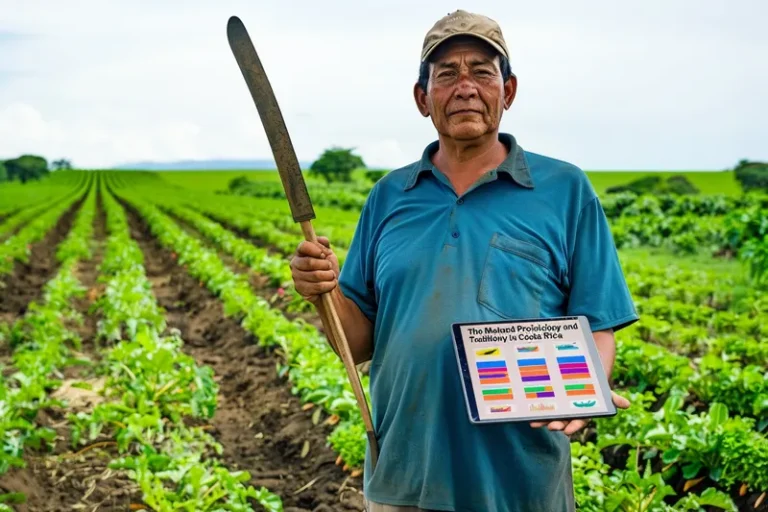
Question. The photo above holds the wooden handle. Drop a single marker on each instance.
(335, 333)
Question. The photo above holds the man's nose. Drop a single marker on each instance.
(466, 86)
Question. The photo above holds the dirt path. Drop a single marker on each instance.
(260, 424)
(65, 479)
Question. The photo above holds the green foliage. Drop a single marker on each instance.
(375, 175)
(26, 168)
(642, 185)
(3, 172)
(752, 175)
(62, 164)
(152, 389)
(336, 164)
(42, 342)
(655, 184)
(680, 185)
(344, 195)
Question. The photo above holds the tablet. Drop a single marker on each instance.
(531, 370)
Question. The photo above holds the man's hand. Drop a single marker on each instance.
(573, 426)
(315, 269)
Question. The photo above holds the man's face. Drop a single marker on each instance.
(466, 95)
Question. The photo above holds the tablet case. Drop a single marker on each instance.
(531, 370)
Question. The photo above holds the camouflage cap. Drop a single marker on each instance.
(465, 23)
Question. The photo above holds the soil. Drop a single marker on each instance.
(259, 423)
(258, 282)
(25, 283)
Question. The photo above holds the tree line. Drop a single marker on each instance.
(29, 167)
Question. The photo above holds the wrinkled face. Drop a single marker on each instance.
(466, 95)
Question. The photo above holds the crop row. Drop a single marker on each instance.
(151, 388)
(17, 247)
(316, 372)
(16, 196)
(345, 196)
(25, 214)
(41, 342)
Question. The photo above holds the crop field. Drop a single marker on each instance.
(720, 182)
(155, 355)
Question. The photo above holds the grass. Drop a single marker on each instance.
(212, 181)
(706, 182)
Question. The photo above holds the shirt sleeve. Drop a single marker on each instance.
(598, 288)
(356, 279)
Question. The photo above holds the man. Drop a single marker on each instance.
(477, 230)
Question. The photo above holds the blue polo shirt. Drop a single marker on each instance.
(529, 239)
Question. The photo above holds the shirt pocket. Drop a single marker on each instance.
(514, 275)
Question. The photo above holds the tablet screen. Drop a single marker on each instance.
(531, 370)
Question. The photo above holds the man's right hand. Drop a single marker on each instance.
(315, 269)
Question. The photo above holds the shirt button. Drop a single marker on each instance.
(455, 234)
(460, 201)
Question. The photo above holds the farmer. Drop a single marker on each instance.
(478, 229)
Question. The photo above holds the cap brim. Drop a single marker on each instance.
(425, 54)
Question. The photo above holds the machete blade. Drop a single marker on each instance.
(271, 119)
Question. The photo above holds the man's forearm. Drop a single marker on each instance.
(358, 330)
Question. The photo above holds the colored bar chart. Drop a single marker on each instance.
(539, 392)
(497, 394)
(493, 372)
(579, 390)
(573, 367)
(533, 370)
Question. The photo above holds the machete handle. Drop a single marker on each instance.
(335, 334)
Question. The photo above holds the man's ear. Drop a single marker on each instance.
(510, 91)
(420, 97)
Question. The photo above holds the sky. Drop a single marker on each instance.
(602, 84)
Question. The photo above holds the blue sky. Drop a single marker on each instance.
(604, 85)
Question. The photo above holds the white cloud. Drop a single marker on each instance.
(605, 85)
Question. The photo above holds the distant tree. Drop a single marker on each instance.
(61, 164)
(26, 167)
(3, 173)
(752, 175)
(336, 164)
(643, 185)
(680, 185)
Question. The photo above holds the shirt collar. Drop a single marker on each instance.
(515, 165)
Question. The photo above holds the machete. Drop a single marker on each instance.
(297, 195)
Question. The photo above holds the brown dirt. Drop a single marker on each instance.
(26, 282)
(62, 479)
(258, 282)
(259, 423)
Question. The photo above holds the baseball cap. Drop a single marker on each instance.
(459, 23)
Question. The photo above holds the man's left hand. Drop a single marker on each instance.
(573, 426)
